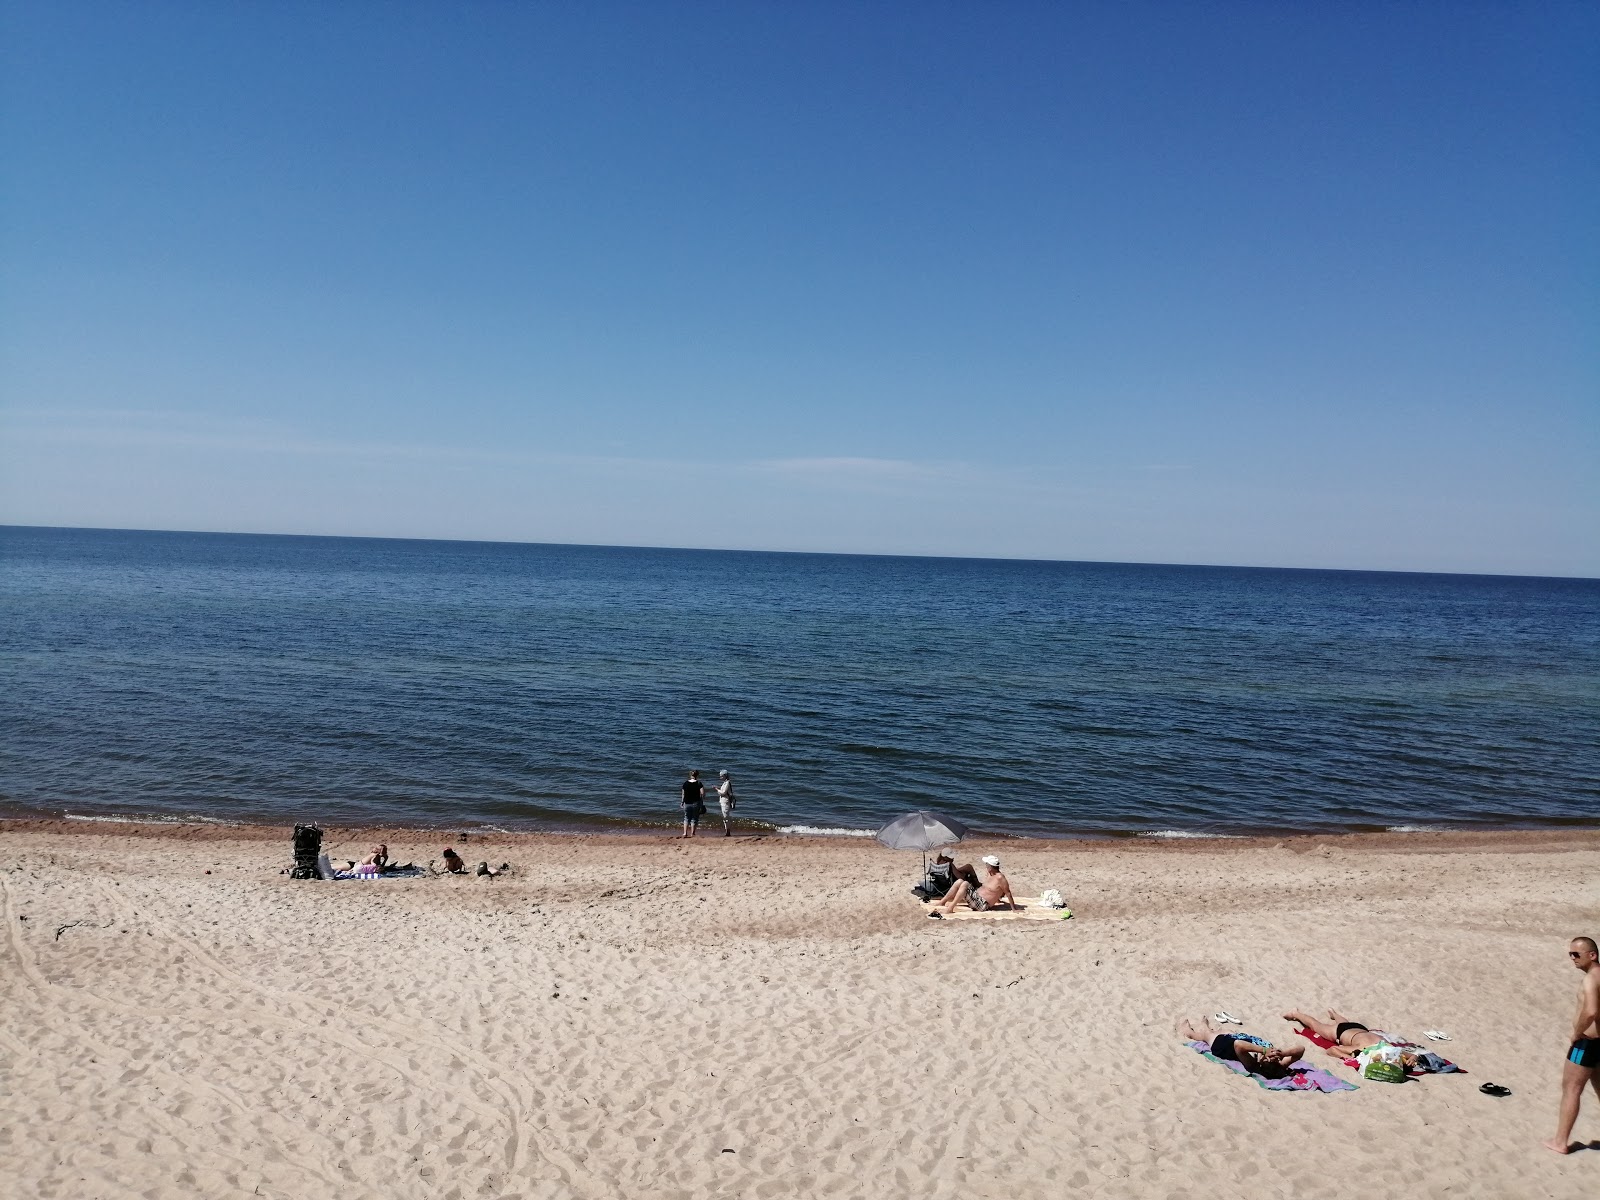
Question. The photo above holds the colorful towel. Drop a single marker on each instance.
(1298, 1078)
(1394, 1040)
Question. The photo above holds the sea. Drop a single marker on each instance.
(233, 678)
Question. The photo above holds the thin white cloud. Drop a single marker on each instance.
(855, 471)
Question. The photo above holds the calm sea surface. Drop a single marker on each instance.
(253, 678)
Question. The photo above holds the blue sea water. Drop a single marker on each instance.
(462, 684)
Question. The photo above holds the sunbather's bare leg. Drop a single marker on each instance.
(1354, 1039)
(954, 896)
(1201, 1031)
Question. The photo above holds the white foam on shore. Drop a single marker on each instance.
(1187, 833)
(187, 819)
(1415, 829)
(815, 831)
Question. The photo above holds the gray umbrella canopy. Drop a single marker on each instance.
(921, 831)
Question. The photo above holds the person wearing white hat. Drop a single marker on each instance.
(993, 893)
(725, 801)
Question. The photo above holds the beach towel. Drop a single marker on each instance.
(1428, 1063)
(370, 877)
(1030, 911)
(1297, 1078)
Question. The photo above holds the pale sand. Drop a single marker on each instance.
(612, 1020)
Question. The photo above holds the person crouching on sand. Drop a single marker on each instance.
(1583, 1055)
(1251, 1053)
(993, 893)
(452, 862)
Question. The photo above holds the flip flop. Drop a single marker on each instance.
(1225, 1019)
(1436, 1035)
(1494, 1089)
(937, 916)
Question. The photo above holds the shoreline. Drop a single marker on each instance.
(1443, 840)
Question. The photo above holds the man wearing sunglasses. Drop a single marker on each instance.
(1583, 1059)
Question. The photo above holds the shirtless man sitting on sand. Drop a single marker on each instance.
(1582, 1068)
(993, 893)
(1344, 1033)
(1252, 1054)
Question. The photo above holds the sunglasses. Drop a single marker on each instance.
(1574, 954)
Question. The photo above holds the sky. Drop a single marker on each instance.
(1242, 283)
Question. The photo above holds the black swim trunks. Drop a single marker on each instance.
(1222, 1047)
(1585, 1052)
(1344, 1027)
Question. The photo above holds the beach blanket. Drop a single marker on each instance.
(1297, 1078)
(413, 873)
(1028, 912)
(1437, 1064)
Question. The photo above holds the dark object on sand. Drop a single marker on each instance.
(1494, 1089)
(937, 881)
(307, 846)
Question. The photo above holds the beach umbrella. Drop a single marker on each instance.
(923, 831)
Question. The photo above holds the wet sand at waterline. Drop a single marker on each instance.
(644, 1017)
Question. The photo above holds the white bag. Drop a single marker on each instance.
(1052, 899)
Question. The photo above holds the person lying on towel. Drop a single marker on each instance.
(1251, 1053)
(993, 893)
(1345, 1034)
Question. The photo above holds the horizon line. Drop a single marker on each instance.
(809, 553)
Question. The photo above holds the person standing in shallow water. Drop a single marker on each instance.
(726, 802)
(693, 802)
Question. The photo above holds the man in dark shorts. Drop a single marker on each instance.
(1583, 1055)
(1338, 1029)
(693, 803)
(1252, 1053)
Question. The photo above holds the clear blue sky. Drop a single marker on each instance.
(1257, 283)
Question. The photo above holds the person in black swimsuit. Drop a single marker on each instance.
(1338, 1029)
(1252, 1053)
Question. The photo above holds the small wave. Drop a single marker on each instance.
(1186, 833)
(1415, 829)
(816, 831)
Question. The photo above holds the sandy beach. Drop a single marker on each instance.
(765, 1016)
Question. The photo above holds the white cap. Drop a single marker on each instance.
(724, 774)
(992, 860)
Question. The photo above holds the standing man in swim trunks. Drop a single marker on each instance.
(1583, 1056)
(725, 801)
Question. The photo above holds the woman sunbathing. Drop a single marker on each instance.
(1252, 1053)
(1345, 1034)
